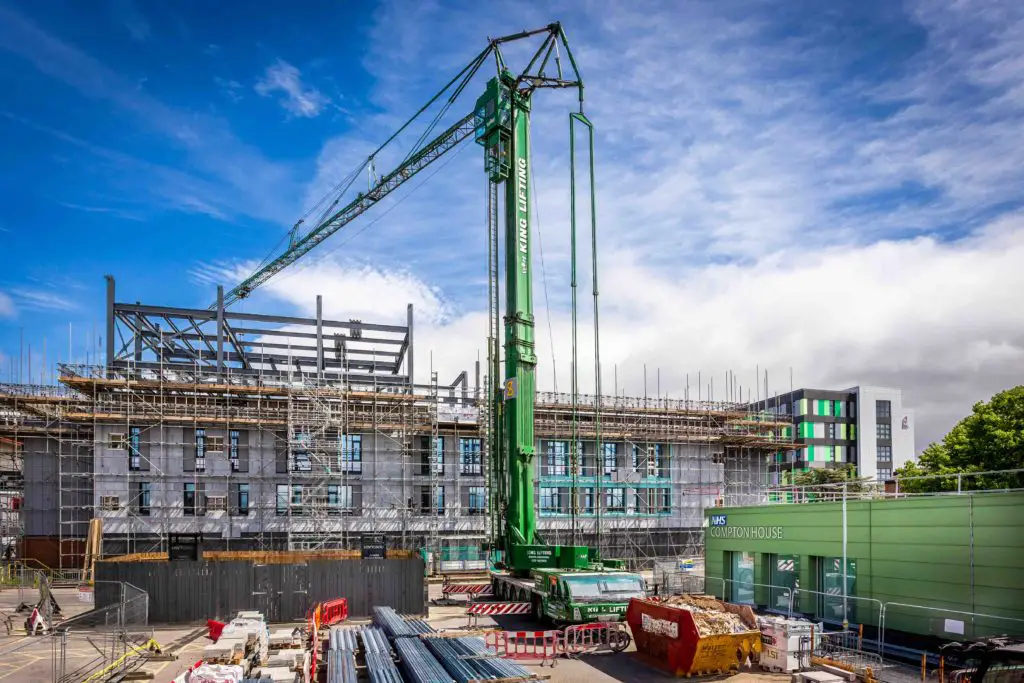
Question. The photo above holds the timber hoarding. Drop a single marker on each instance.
(946, 554)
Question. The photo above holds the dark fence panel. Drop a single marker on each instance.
(193, 591)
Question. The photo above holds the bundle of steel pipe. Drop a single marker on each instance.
(341, 666)
(468, 659)
(378, 656)
(343, 638)
(418, 664)
(393, 624)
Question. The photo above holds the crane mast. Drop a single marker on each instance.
(500, 123)
(503, 129)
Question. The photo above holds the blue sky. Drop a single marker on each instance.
(829, 187)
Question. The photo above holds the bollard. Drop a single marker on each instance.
(924, 666)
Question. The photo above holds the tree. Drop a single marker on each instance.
(832, 478)
(990, 438)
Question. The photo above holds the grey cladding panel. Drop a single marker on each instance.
(192, 592)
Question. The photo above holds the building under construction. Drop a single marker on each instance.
(275, 432)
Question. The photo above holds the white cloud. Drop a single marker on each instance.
(7, 309)
(940, 320)
(41, 300)
(297, 98)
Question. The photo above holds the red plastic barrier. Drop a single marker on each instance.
(333, 612)
(215, 628)
(525, 645)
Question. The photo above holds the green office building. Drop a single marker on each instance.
(950, 566)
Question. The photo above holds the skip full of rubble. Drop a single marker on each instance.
(709, 614)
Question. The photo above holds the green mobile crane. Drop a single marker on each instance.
(565, 582)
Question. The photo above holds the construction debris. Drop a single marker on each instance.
(709, 615)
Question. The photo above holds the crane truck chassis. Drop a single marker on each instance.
(571, 596)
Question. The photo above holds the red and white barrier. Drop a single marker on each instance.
(540, 646)
(584, 639)
(472, 589)
(478, 608)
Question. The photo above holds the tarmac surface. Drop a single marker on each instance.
(35, 658)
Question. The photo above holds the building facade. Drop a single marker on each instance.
(267, 432)
(945, 565)
(866, 426)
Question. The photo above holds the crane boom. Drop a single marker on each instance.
(415, 163)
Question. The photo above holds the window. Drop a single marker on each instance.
(110, 503)
(134, 449)
(297, 499)
(647, 459)
(477, 500)
(339, 498)
(883, 409)
(439, 461)
(608, 453)
(830, 582)
(143, 494)
(470, 457)
(549, 501)
(830, 430)
(884, 473)
(663, 501)
(784, 572)
(215, 444)
(432, 500)
(352, 453)
(189, 500)
(118, 442)
(558, 458)
(885, 453)
(281, 507)
(741, 568)
(200, 450)
(884, 430)
(241, 499)
(300, 453)
(233, 452)
(433, 459)
(587, 501)
(615, 500)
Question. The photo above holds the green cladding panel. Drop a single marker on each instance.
(942, 554)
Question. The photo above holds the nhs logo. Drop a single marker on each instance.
(718, 520)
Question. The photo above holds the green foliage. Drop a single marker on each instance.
(990, 438)
(826, 475)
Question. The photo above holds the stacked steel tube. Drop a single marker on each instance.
(392, 623)
(418, 664)
(378, 656)
(468, 659)
(341, 657)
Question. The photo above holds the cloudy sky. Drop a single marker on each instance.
(832, 190)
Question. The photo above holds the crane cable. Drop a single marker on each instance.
(311, 262)
(540, 250)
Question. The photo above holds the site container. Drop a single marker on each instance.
(693, 635)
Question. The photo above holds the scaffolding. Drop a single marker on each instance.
(209, 422)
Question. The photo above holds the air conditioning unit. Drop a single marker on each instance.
(110, 503)
(216, 502)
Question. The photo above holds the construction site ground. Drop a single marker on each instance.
(34, 659)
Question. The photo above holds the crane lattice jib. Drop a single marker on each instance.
(430, 153)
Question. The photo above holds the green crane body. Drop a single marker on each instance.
(501, 124)
(503, 128)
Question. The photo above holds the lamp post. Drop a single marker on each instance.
(846, 622)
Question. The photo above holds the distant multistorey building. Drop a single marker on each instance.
(866, 426)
